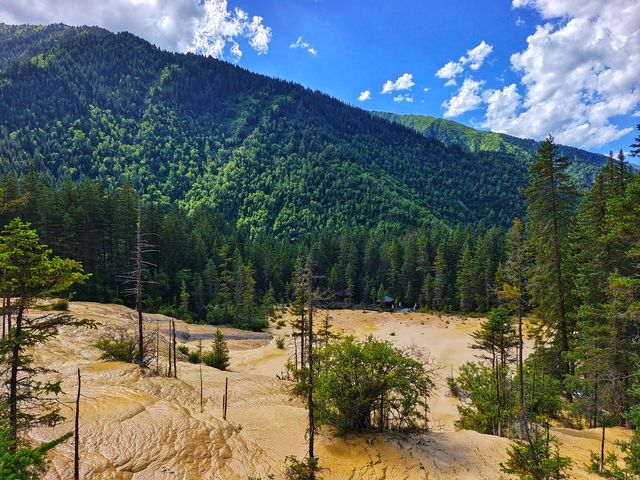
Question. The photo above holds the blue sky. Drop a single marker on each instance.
(524, 67)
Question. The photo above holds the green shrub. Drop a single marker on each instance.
(280, 342)
(611, 468)
(355, 378)
(119, 349)
(25, 463)
(183, 349)
(60, 304)
(304, 469)
(454, 388)
(193, 357)
(539, 461)
(122, 347)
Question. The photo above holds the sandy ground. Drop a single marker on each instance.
(148, 427)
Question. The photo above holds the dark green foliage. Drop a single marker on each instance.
(305, 469)
(209, 269)
(24, 463)
(30, 274)
(121, 348)
(584, 165)
(364, 384)
(481, 409)
(275, 157)
(193, 357)
(218, 357)
(551, 199)
(61, 304)
(635, 147)
(538, 460)
(611, 467)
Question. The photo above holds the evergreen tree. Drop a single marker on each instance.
(30, 274)
(550, 198)
(635, 147)
(218, 357)
(439, 280)
(466, 281)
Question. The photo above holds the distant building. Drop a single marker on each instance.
(387, 302)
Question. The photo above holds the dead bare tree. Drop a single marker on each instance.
(76, 455)
(173, 336)
(200, 362)
(308, 299)
(134, 281)
(225, 398)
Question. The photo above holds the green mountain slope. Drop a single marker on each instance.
(274, 156)
(585, 164)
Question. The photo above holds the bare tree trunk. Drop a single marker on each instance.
(139, 288)
(4, 316)
(170, 367)
(602, 448)
(8, 315)
(13, 382)
(200, 361)
(76, 456)
(157, 346)
(175, 364)
(312, 425)
(302, 340)
(225, 398)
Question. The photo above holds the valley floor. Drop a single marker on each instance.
(145, 427)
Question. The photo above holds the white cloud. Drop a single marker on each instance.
(520, 22)
(466, 99)
(404, 82)
(449, 70)
(577, 73)
(364, 95)
(425, 89)
(502, 106)
(207, 27)
(477, 55)
(636, 114)
(299, 43)
(403, 98)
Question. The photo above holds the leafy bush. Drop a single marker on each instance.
(60, 304)
(454, 388)
(610, 469)
(365, 383)
(184, 349)
(122, 347)
(305, 469)
(479, 407)
(539, 461)
(280, 342)
(193, 357)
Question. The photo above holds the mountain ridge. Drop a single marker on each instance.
(472, 139)
(275, 156)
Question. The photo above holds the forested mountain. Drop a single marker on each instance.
(585, 165)
(272, 155)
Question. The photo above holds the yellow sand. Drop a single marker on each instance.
(147, 427)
